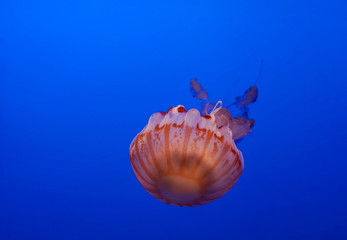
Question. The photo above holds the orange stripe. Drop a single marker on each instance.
(187, 133)
(141, 161)
(207, 141)
(151, 151)
(167, 147)
(225, 189)
(224, 151)
(226, 172)
(139, 175)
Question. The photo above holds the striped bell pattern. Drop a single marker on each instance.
(185, 159)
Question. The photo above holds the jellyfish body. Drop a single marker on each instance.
(186, 158)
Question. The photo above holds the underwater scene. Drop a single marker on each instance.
(173, 119)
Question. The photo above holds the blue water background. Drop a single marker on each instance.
(79, 79)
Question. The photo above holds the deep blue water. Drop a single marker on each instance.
(78, 80)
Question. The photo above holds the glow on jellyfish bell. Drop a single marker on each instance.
(189, 158)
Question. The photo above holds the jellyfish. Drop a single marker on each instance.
(189, 158)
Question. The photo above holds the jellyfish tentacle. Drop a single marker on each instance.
(200, 93)
(215, 108)
(260, 72)
(235, 115)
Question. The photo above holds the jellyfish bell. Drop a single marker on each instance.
(185, 159)
(188, 158)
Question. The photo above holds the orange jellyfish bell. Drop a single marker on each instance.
(184, 158)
